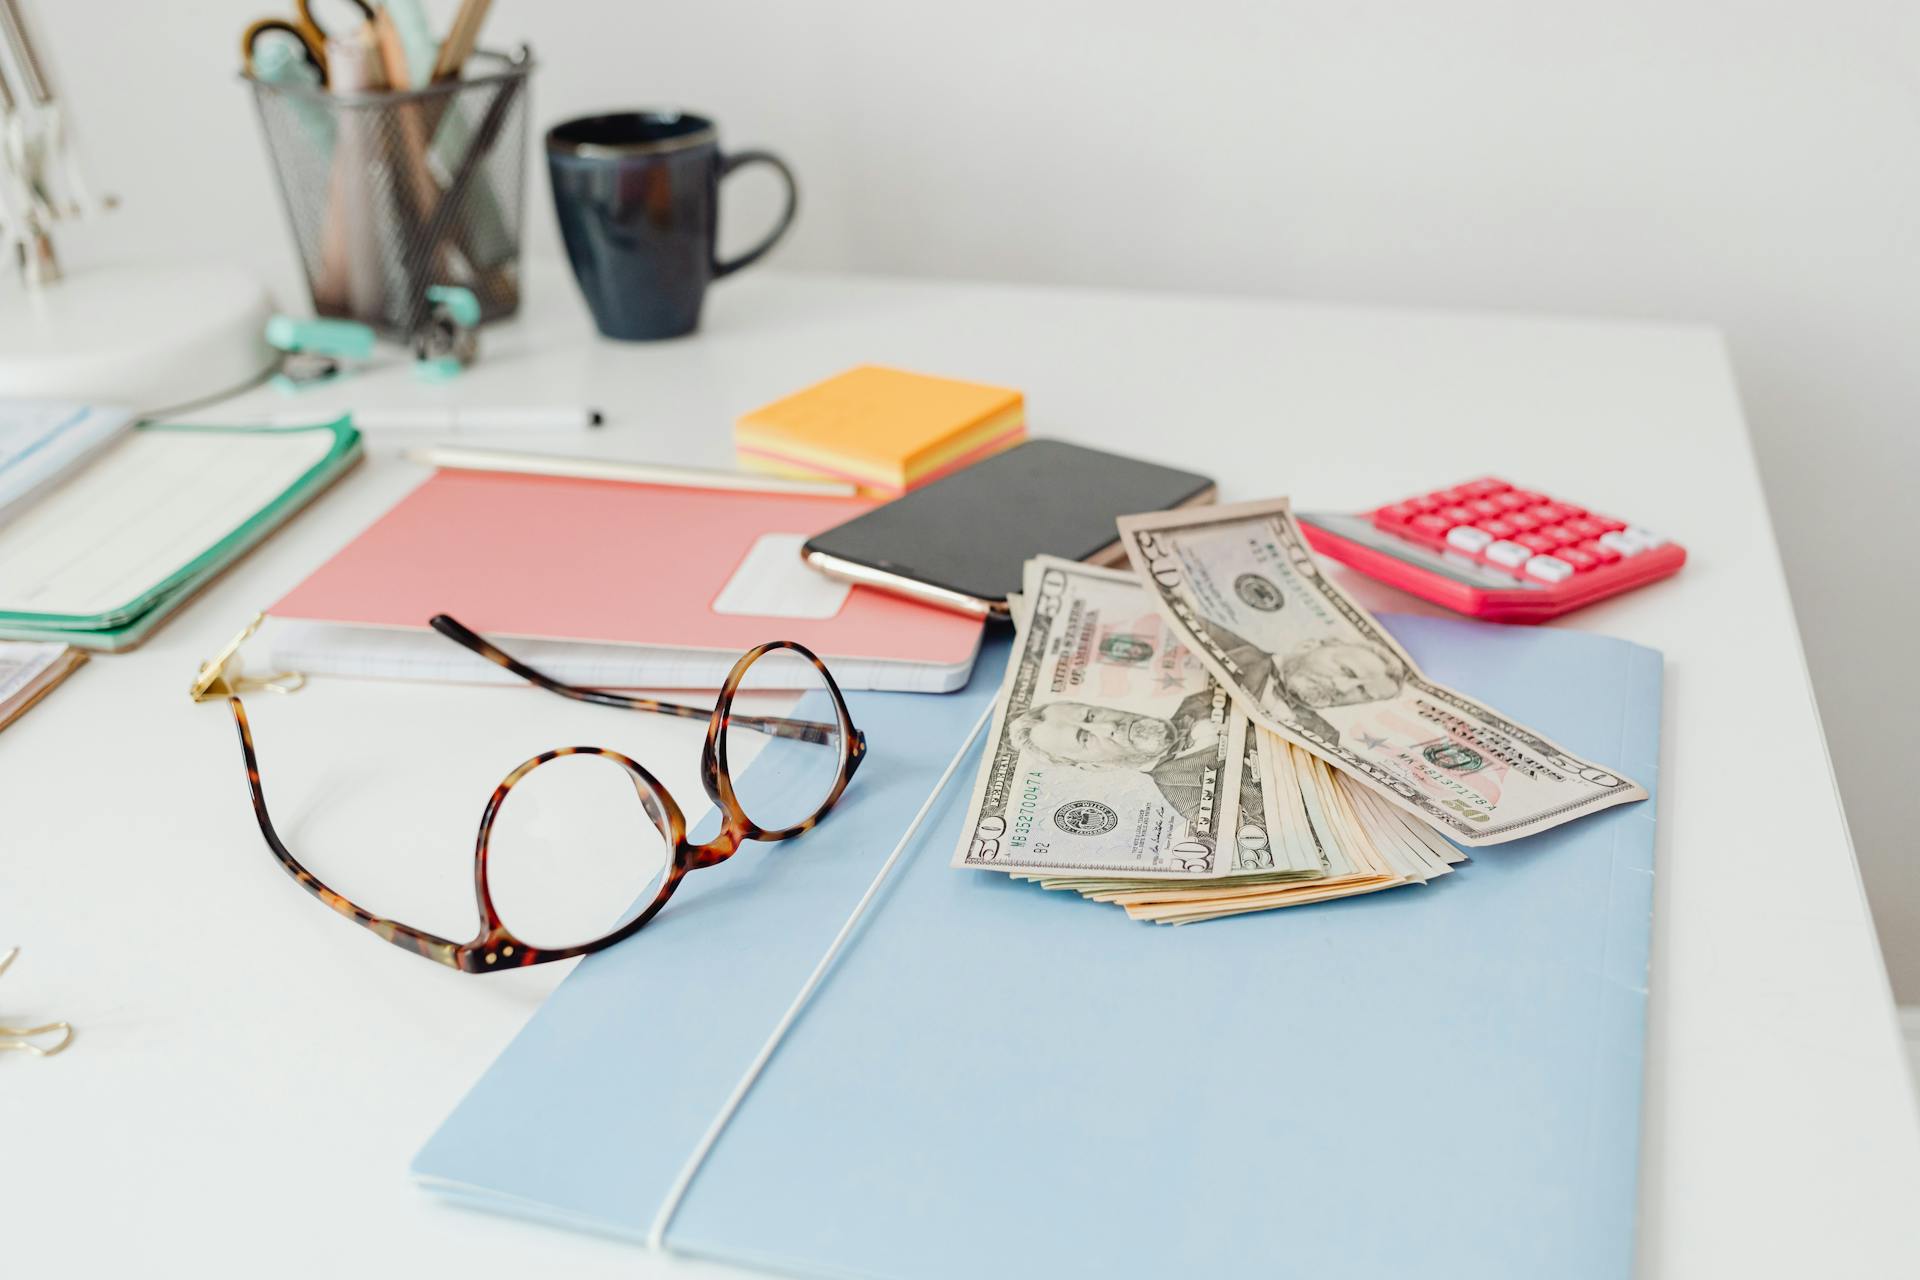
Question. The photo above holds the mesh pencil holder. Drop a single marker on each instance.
(391, 193)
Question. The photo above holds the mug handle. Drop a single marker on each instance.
(740, 160)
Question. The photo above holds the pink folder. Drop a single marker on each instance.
(611, 563)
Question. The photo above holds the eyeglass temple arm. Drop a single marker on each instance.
(419, 941)
(777, 726)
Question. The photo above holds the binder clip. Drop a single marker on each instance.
(317, 350)
(449, 341)
(221, 676)
(42, 1041)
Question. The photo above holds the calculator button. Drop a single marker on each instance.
(1482, 509)
(1451, 497)
(1428, 528)
(1536, 542)
(1621, 544)
(1486, 487)
(1397, 514)
(1510, 501)
(1459, 514)
(1607, 523)
(1521, 521)
(1549, 569)
(1600, 551)
(1579, 559)
(1584, 528)
(1561, 537)
(1550, 513)
(1469, 539)
(1423, 503)
(1527, 497)
(1508, 555)
(1498, 528)
(1647, 539)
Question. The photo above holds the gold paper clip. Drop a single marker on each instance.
(24, 1037)
(221, 676)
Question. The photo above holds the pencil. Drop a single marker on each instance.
(458, 45)
(455, 458)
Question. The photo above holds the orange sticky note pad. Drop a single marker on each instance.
(886, 430)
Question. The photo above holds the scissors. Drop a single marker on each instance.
(308, 35)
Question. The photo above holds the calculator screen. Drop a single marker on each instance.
(1448, 564)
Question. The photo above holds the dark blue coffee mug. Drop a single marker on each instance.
(638, 198)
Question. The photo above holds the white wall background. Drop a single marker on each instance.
(1755, 165)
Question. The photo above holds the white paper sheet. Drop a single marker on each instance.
(42, 440)
(22, 662)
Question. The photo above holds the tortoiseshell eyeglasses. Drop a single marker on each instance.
(803, 766)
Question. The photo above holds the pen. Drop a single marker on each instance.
(455, 458)
(458, 421)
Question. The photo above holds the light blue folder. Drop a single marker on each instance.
(996, 1080)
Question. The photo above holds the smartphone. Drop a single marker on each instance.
(959, 542)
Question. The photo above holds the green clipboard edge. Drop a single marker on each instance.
(127, 626)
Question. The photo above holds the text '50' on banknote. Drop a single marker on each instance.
(1240, 585)
(1110, 745)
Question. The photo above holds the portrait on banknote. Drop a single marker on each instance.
(1179, 752)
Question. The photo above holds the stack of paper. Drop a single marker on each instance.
(28, 671)
(885, 430)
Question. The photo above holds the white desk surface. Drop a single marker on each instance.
(252, 1075)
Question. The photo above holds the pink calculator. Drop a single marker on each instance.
(1490, 550)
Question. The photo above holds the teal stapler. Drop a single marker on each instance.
(316, 350)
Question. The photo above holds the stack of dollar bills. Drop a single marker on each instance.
(1222, 730)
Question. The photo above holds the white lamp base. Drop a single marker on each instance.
(151, 338)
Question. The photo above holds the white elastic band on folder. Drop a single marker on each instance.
(657, 1234)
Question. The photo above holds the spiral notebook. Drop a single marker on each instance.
(996, 1080)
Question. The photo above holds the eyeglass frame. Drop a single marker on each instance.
(496, 947)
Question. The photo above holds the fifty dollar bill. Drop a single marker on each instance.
(1241, 586)
(1111, 745)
